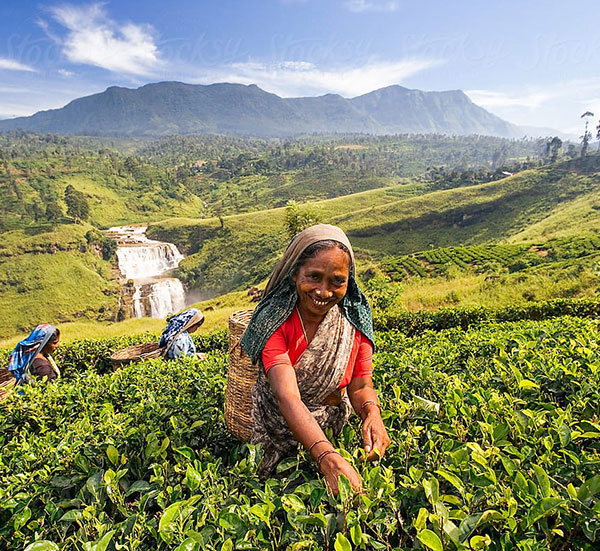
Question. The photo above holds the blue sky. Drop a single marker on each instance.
(530, 62)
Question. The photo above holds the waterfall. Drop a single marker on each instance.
(153, 259)
(146, 262)
(167, 296)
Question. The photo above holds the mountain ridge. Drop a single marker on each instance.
(163, 108)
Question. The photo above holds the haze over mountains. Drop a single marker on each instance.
(167, 108)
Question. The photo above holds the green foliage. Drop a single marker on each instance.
(412, 323)
(299, 217)
(58, 287)
(494, 446)
(382, 292)
(106, 245)
(77, 205)
(53, 211)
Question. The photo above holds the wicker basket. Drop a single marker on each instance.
(241, 377)
(7, 381)
(136, 353)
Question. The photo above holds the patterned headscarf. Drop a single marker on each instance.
(23, 354)
(179, 323)
(280, 294)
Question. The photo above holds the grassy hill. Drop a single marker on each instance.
(53, 276)
(392, 220)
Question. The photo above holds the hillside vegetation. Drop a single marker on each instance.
(223, 203)
(393, 220)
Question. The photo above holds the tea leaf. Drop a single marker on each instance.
(430, 539)
(42, 545)
(589, 488)
(113, 454)
(342, 543)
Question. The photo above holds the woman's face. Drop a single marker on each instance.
(50, 347)
(193, 328)
(322, 281)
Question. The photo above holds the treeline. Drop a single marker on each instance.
(234, 175)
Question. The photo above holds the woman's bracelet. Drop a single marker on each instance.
(322, 455)
(368, 403)
(315, 443)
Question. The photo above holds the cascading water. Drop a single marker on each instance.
(145, 262)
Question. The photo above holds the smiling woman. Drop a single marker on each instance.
(312, 336)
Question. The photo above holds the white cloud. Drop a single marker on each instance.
(489, 98)
(359, 6)
(92, 38)
(12, 65)
(301, 78)
(65, 73)
(556, 105)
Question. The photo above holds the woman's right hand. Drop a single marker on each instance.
(334, 465)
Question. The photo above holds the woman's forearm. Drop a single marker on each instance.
(363, 398)
(303, 425)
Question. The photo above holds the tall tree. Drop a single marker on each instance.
(587, 135)
(77, 205)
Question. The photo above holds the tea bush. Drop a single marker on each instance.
(495, 445)
(416, 322)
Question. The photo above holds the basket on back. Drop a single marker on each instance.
(7, 381)
(241, 377)
(136, 353)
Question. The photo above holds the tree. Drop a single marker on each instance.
(299, 217)
(109, 248)
(553, 146)
(53, 211)
(587, 135)
(77, 205)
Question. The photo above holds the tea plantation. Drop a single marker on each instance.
(496, 440)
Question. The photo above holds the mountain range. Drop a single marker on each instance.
(167, 108)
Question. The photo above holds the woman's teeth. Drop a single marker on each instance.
(319, 302)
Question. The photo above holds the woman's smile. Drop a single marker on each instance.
(318, 302)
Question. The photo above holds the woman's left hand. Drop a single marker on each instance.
(375, 437)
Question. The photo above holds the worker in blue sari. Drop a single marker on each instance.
(175, 340)
(32, 357)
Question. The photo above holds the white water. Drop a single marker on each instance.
(151, 259)
(145, 262)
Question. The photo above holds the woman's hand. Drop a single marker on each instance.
(364, 402)
(375, 437)
(332, 466)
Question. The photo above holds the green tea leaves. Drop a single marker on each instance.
(430, 539)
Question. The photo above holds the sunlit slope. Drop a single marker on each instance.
(52, 288)
(483, 213)
(580, 216)
(384, 221)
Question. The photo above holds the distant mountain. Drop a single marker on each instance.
(166, 108)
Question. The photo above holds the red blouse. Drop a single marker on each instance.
(288, 342)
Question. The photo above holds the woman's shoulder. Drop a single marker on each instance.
(41, 367)
(39, 361)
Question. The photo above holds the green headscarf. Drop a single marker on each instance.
(280, 294)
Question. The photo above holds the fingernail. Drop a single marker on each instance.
(367, 448)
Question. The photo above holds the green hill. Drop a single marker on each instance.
(195, 184)
(391, 220)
